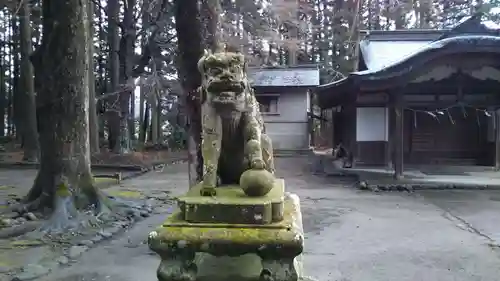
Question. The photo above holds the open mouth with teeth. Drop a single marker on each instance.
(223, 86)
(225, 97)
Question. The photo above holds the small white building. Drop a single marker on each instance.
(284, 95)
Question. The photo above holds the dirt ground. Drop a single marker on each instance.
(14, 154)
(351, 235)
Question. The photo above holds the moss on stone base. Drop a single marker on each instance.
(284, 238)
(232, 206)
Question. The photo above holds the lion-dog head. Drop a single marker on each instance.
(224, 81)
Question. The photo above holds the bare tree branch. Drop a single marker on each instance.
(147, 48)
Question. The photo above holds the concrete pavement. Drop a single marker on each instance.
(351, 235)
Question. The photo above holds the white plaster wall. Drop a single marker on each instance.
(292, 107)
(289, 128)
(372, 124)
(288, 136)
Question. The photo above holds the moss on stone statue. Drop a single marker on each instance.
(232, 126)
(284, 237)
(232, 206)
(256, 182)
(239, 207)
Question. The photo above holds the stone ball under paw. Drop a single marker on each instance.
(256, 182)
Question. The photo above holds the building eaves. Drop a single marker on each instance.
(403, 35)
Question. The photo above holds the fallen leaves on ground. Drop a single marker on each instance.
(136, 158)
(145, 158)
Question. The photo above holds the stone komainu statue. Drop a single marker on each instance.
(233, 134)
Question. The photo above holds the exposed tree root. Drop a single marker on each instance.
(63, 218)
(76, 208)
(19, 229)
(38, 204)
(67, 218)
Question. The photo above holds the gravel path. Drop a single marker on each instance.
(350, 236)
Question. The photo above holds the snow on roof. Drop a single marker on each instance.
(380, 54)
(491, 25)
(433, 45)
(389, 47)
(383, 52)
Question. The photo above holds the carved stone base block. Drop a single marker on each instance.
(229, 251)
(278, 270)
(232, 206)
(177, 268)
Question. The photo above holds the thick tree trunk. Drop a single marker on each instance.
(61, 67)
(190, 47)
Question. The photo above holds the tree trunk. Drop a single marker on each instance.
(424, 13)
(145, 89)
(10, 92)
(399, 20)
(61, 62)
(131, 119)
(145, 123)
(126, 57)
(103, 75)
(159, 135)
(150, 128)
(142, 131)
(27, 92)
(210, 15)
(190, 49)
(154, 119)
(113, 109)
(93, 120)
(155, 102)
(16, 103)
(3, 90)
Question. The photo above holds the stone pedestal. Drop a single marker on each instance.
(209, 229)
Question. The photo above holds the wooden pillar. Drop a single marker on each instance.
(311, 130)
(351, 131)
(389, 148)
(335, 127)
(496, 123)
(398, 135)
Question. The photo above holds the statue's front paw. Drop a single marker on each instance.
(257, 164)
(208, 190)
